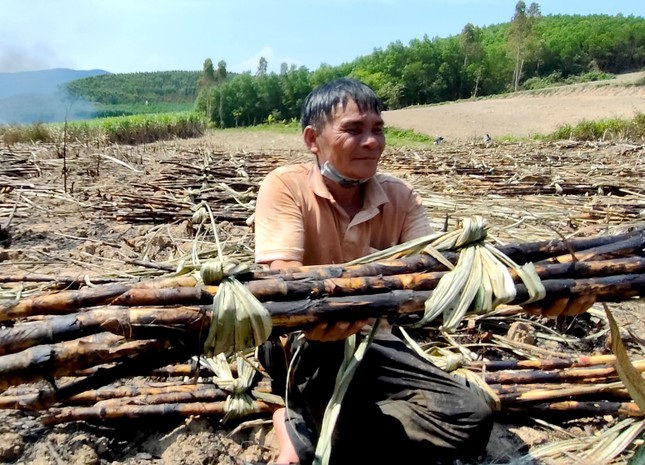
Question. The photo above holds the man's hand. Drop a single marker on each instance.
(329, 332)
(562, 306)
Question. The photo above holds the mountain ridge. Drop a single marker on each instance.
(37, 96)
(42, 81)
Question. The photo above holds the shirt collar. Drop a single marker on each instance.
(375, 196)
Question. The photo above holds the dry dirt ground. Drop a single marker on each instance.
(527, 114)
(117, 205)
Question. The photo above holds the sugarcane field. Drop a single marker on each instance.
(113, 258)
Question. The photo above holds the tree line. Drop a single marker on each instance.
(529, 51)
(526, 52)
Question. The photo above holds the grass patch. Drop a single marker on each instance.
(397, 137)
(555, 79)
(282, 127)
(131, 130)
(110, 111)
(603, 130)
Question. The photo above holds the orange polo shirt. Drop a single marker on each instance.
(296, 218)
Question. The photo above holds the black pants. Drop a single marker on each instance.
(399, 408)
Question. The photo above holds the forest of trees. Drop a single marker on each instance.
(527, 52)
(129, 93)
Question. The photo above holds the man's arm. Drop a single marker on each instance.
(279, 225)
(284, 264)
(417, 223)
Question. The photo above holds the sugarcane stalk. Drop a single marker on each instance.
(58, 280)
(184, 291)
(550, 364)
(511, 391)
(616, 288)
(198, 393)
(550, 394)
(168, 371)
(279, 289)
(141, 323)
(564, 375)
(579, 408)
(61, 302)
(541, 250)
(186, 322)
(50, 361)
(68, 414)
(520, 253)
(67, 301)
(629, 246)
(138, 364)
(142, 394)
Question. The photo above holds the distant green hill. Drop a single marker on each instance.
(134, 93)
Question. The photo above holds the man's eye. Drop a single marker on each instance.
(378, 130)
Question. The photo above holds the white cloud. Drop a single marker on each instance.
(251, 63)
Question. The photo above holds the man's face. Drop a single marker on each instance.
(351, 141)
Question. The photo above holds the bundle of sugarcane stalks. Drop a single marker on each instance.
(91, 344)
(574, 387)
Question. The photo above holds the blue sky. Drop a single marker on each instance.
(123, 36)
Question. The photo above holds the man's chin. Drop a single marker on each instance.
(364, 172)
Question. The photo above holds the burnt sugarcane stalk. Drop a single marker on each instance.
(184, 291)
(189, 322)
(138, 364)
(119, 320)
(68, 414)
(629, 246)
(65, 302)
(51, 361)
(557, 392)
(279, 289)
(574, 408)
(198, 393)
(564, 375)
(144, 393)
(615, 387)
(549, 364)
(520, 253)
(168, 371)
(57, 280)
(69, 301)
(129, 395)
(93, 396)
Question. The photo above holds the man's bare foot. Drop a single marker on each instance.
(287, 453)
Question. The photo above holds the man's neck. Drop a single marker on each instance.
(350, 198)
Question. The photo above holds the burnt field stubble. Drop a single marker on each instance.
(103, 218)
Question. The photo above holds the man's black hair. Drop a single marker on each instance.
(322, 101)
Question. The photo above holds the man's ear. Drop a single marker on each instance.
(309, 136)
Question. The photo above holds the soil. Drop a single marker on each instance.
(527, 113)
(111, 206)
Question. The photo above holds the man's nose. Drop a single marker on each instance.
(371, 140)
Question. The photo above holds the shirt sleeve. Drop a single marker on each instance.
(417, 223)
(279, 225)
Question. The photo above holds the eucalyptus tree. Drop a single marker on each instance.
(522, 37)
(470, 42)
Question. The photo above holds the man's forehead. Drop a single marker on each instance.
(341, 109)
